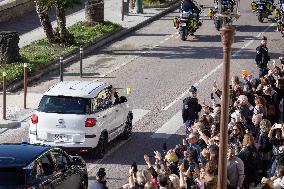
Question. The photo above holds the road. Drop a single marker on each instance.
(160, 68)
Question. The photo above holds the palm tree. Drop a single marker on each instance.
(60, 6)
(94, 11)
(42, 9)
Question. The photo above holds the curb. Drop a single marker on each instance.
(88, 49)
(8, 124)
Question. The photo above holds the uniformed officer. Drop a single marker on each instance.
(190, 108)
(100, 182)
(262, 57)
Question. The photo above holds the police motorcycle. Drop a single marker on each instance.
(263, 9)
(229, 10)
(279, 17)
(187, 23)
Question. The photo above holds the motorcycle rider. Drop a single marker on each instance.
(262, 57)
(187, 5)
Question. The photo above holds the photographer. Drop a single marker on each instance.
(277, 139)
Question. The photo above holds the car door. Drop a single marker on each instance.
(69, 176)
(104, 111)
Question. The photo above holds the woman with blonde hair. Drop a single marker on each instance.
(249, 155)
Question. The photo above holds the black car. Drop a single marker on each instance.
(26, 166)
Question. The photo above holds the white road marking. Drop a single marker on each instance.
(177, 37)
(176, 33)
(172, 35)
(167, 39)
(138, 114)
(156, 45)
(170, 127)
(214, 70)
(162, 42)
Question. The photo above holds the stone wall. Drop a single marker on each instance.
(10, 9)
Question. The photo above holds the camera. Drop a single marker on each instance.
(134, 166)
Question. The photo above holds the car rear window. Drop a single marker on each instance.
(64, 105)
(12, 177)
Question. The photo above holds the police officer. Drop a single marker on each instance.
(187, 5)
(100, 182)
(190, 108)
(262, 57)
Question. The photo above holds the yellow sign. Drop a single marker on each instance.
(245, 72)
(128, 90)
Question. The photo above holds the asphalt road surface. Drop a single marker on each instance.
(160, 68)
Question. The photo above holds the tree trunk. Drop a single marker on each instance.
(61, 21)
(94, 11)
(44, 21)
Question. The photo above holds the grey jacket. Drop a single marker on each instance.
(235, 172)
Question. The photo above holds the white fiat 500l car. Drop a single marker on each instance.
(81, 115)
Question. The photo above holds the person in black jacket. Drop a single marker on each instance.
(265, 146)
(190, 109)
(262, 57)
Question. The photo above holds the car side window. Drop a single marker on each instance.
(46, 164)
(102, 101)
(37, 171)
(61, 160)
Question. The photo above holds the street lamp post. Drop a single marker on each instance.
(61, 68)
(227, 34)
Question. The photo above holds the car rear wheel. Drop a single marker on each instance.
(84, 183)
(127, 130)
(100, 150)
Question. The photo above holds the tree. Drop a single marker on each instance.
(61, 19)
(94, 11)
(42, 9)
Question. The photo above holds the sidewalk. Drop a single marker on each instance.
(29, 27)
(15, 111)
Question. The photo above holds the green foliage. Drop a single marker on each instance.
(40, 52)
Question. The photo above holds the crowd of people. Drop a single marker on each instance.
(255, 154)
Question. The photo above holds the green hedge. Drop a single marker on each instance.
(40, 52)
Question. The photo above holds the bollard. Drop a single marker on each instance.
(61, 67)
(122, 10)
(25, 84)
(4, 95)
(81, 61)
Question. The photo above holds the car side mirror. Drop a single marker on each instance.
(77, 160)
(122, 99)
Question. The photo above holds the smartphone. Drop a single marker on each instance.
(212, 96)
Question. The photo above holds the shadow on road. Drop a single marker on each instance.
(134, 149)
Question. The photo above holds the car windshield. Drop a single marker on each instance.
(64, 105)
(12, 177)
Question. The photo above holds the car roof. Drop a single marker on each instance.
(20, 155)
(84, 89)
